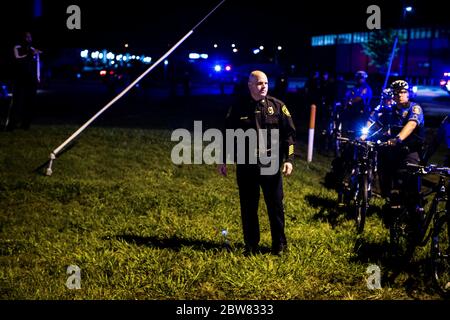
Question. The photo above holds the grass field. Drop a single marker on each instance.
(140, 227)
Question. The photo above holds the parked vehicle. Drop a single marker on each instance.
(445, 82)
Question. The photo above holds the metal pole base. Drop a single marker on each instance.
(49, 171)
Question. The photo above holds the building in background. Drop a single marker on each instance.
(424, 58)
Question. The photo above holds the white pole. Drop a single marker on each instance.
(312, 121)
(120, 95)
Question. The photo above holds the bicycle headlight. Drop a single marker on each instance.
(365, 130)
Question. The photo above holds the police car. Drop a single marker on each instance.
(445, 82)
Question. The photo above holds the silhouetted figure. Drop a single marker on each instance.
(24, 83)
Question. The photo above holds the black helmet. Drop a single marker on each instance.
(361, 75)
(399, 85)
(387, 94)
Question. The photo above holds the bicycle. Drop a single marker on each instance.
(333, 129)
(363, 172)
(410, 231)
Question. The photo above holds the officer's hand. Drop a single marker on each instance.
(363, 137)
(222, 169)
(287, 169)
(392, 142)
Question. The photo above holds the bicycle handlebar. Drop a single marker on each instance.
(431, 168)
(363, 142)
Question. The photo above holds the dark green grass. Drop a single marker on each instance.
(140, 227)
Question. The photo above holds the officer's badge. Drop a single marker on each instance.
(405, 114)
(270, 110)
(285, 111)
(416, 110)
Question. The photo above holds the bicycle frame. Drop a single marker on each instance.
(435, 225)
(364, 168)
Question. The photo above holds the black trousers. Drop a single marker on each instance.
(23, 104)
(249, 180)
(407, 184)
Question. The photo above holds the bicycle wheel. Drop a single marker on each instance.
(402, 234)
(361, 204)
(336, 145)
(440, 255)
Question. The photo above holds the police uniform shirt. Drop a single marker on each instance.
(268, 113)
(409, 112)
(364, 91)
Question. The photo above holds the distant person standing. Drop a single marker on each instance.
(357, 106)
(26, 77)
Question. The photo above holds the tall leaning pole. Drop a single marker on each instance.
(55, 152)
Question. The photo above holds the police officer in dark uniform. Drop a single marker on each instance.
(357, 106)
(353, 115)
(25, 83)
(378, 129)
(381, 115)
(255, 112)
(407, 132)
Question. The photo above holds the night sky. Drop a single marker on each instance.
(158, 24)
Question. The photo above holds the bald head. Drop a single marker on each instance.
(258, 85)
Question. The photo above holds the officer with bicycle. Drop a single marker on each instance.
(406, 129)
(352, 118)
(357, 106)
(378, 129)
(377, 126)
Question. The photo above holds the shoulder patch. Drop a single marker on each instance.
(416, 110)
(285, 111)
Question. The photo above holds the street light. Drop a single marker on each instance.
(406, 10)
(404, 51)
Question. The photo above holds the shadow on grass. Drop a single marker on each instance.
(329, 211)
(176, 243)
(415, 276)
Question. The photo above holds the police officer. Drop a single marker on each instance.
(407, 131)
(261, 111)
(357, 106)
(353, 115)
(380, 118)
(378, 128)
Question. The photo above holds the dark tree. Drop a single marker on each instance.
(379, 48)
